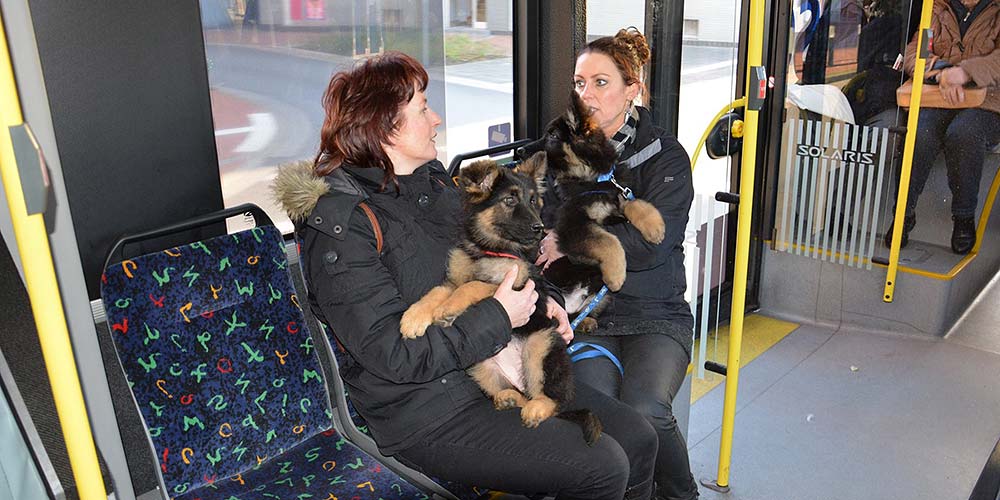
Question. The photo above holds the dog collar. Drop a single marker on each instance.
(610, 177)
(499, 254)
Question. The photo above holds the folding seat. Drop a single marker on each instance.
(225, 375)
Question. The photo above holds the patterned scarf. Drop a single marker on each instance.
(626, 133)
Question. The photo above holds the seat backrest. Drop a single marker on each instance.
(214, 345)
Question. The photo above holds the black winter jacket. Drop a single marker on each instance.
(404, 388)
(657, 169)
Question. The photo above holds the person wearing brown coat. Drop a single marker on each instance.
(966, 53)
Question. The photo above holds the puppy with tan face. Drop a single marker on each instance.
(503, 227)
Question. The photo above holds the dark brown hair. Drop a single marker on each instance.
(363, 110)
(628, 49)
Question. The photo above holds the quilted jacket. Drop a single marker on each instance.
(978, 52)
(404, 388)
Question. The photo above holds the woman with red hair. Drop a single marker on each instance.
(377, 166)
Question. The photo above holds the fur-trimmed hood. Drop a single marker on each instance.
(298, 189)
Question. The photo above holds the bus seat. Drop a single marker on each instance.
(225, 374)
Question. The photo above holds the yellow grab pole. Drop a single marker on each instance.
(911, 139)
(747, 168)
(46, 303)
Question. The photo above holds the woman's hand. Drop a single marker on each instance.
(548, 250)
(555, 311)
(952, 81)
(519, 304)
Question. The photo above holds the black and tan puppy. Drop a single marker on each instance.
(503, 228)
(577, 154)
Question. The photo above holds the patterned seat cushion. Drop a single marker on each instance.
(324, 467)
(224, 370)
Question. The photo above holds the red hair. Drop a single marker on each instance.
(629, 51)
(363, 109)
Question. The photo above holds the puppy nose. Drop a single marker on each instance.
(538, 227)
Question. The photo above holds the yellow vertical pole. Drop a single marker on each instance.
(911, 139)
(747, 167)
(46, 303)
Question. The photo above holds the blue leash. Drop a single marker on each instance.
(590, 307)
(597, 350)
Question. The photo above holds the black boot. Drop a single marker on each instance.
(963, 236)
(909, 222)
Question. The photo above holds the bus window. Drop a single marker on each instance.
(269, 62)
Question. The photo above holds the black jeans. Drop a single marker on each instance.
(655, 366)
(965, 136)
(485, 447)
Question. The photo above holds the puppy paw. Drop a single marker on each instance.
(644, 216)
(654, 231)
(508, 399)
(444, 316)
(613, 275)
(415, 322)
(587, 325)
(534, 412)
(444, 321)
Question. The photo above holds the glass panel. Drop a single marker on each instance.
(269, 62)
(606, 17)
(708, 83)
(21, 479)
(837, 162)
(479, 79)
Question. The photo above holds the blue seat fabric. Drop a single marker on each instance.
(225, 374)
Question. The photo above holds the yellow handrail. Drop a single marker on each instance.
(739, 103)
(747, 171)
(911, 138)
(46, 303)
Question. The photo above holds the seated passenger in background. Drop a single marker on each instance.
(966, 53)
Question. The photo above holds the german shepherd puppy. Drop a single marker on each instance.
(503, 227)
(577, 153)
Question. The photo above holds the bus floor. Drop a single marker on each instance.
(838, 413)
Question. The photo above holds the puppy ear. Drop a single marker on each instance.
(478, 179)
(533, 167)
(583, 122)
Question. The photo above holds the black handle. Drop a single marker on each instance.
(458, 159)
(524, 152)
(730, 198)
(719, 368)
(260, 217)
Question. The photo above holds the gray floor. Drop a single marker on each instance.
(917, 419)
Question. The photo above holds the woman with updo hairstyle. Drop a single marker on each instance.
(376, 214)
(648, 325)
